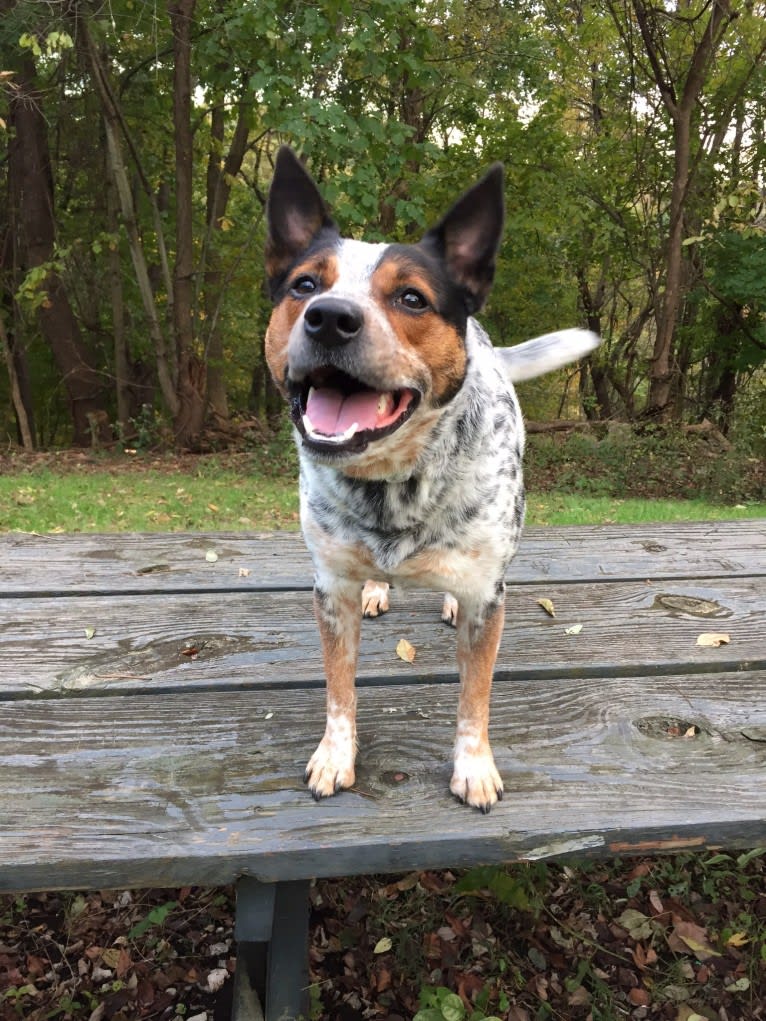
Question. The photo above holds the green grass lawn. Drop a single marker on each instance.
(221, 499)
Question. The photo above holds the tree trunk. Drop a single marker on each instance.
(29, 167)
(681, 99)
(119, 332)
(25, 426)
(115, 127)
(220, 174)
(192, 374)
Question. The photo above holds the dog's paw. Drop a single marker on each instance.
(330, 768)
(476, 781)
(374, 598)
(449, 610)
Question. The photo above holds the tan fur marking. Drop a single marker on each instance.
(351, 561)
(476, 655)
(289, 310)
(475, 779)
(436, 342)
(277, 335)
(331, 767)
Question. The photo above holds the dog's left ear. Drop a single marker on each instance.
(468, 237)
(295, 212)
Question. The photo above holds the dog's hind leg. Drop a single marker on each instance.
(331, 767)
(374, 598)
(476, 780)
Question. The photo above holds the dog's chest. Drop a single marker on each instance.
(455, 518)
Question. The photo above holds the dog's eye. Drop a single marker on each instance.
(412, 300)
(303, 286)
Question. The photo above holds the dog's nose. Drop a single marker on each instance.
(333, 322)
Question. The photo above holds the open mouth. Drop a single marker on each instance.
(336, 413)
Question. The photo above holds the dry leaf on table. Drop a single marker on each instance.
(405, 651)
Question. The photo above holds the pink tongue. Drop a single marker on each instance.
(331, 413)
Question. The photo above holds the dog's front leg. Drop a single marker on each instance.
(475, 780)
(331, 767)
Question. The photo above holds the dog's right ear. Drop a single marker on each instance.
(295, 213)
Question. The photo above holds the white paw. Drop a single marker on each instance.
(374, 598)
(476, 781)
(449, 610)
(331, 767)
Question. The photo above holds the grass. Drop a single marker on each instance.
(212, 497)
(150, 501)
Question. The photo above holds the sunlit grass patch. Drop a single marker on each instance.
(216, 499)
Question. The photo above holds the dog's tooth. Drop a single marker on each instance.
(325, 438)
(385, 404)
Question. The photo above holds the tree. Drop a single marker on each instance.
(32, 249)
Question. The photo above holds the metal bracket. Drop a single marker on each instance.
(272, 933)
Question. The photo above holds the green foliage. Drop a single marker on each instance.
(648, 463)
(442, 1005)
(397, 108)
(515, 889)
(156, 917)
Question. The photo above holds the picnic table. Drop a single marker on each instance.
(162, 694)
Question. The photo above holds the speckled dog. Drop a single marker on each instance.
(410, 440)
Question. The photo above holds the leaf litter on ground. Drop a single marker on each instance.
(665, 938)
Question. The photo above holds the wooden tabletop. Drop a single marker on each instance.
(162, 694)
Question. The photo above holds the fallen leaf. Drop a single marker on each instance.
(575, 629)
(383, 945)
(405, 651)
(216, 979)
(712, 639)
(639, 997)
(687, 936)
(547, 605)
(89, 632)
(580, 997)
(740, 986)
(111, 957)
(737, 939)
(383, 979)
(656, 902)
(637, 924)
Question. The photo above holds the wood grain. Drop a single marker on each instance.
(180, 789)
(158, 709)
(172, 642)
(128, 563)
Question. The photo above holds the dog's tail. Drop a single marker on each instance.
(544, 354)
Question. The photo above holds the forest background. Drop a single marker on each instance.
(137, 142)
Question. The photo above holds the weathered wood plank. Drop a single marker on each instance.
(203, 789)
(127, 563)
(269, 640)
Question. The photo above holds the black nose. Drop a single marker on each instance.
(333, 322)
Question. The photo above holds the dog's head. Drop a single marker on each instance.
(365, 338)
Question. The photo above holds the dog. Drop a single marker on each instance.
(410, 440)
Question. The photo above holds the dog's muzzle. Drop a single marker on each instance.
(336, 411)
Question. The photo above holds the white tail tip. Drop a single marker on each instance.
(547, 353)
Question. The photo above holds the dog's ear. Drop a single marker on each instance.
(295, 213)
(468, 236)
